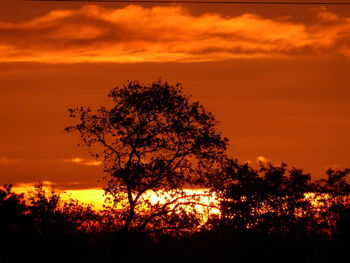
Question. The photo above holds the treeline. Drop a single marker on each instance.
(271, 213)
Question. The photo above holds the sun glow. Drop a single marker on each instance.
(94, 197)
(198, 200)
(201, 201)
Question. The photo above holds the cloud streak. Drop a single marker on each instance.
(82, 161)
(7, 161)
(165, 34)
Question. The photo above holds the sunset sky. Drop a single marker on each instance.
(276, 76)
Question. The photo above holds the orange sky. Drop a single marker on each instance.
(277, 77)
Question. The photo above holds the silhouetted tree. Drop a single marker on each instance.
(335, 182)
(152, 139)
(12, 206)
(12, 212)
(55, 217)
(334, 196)
(268, 200)
(40, 222)
(274, 200)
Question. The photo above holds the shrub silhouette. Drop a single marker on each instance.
(42, 226)
(275, 200)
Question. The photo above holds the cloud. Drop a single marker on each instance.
(7, 161)
(82, 161)
(162, 34)
(325, 16)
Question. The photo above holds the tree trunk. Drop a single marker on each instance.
(131, 212)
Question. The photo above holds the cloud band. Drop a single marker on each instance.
(165, 34)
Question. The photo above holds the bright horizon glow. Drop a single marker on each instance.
(207, 203)
(92, 196)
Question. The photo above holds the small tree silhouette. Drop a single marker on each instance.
(152, 139)
(269, 200)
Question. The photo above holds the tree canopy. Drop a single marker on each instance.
(153, 138)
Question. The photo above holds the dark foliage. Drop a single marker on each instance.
(44, 228)
(153, 138)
